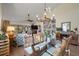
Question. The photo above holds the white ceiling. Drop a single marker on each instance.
(19, 11)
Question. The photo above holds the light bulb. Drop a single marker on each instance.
(45, 14)
(46, 9)
(36, 16)
(49, 9)
(53, 15)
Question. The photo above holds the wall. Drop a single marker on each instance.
(0, 16)
(18, 11)
(63, 12)
(67, 13)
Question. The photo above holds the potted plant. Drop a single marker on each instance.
(2, 36)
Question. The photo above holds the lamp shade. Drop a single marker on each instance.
(10, 28)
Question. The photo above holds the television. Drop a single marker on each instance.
(34, 27)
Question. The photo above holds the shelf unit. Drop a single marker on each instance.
(4, 47)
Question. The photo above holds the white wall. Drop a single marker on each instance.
(67, 13)
(19, 11)
(63, 12)
(0, 16)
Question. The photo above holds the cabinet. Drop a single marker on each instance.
(4, 47)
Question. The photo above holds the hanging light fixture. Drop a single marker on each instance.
(45, 9)
(53, 16)
(37, 17)
(46, 15)
(47, 12)
(29, 17)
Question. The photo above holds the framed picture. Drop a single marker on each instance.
(66, 26)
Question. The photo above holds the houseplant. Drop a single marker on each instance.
(2, 36)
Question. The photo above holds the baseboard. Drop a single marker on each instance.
(74, 44)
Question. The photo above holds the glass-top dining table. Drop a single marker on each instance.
(51, 50)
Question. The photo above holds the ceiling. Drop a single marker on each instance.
(19, 11)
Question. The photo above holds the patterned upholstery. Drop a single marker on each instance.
(20, 39)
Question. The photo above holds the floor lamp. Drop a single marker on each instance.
(10, 32)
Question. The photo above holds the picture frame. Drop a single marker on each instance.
(66, 26)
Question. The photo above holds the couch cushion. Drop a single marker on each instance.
(29, 50)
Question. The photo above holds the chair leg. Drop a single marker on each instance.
(68, 52)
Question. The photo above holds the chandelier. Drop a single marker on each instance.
(47, 14)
